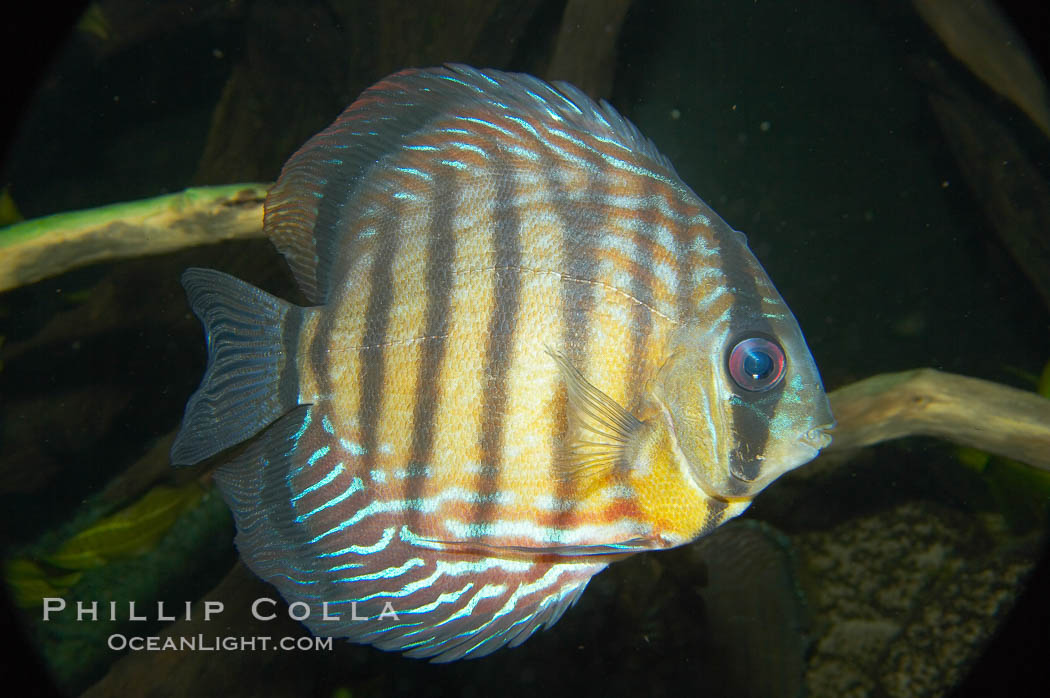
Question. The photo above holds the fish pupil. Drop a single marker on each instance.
(758, 364)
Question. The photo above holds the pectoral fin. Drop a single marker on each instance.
(599, 432)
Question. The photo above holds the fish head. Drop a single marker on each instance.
(742, 398)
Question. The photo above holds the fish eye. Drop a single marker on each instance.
(756, 364)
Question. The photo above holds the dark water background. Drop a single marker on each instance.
(805, 125)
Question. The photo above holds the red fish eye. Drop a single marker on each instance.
(756, 364)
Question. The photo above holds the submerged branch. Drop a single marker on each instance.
(924, 402)
(48, 246)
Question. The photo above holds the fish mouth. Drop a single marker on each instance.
(818, 438)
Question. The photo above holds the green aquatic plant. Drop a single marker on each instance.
(30, 582)
(95, 23)
(1020, 492)
(132, 531)
(9, 212)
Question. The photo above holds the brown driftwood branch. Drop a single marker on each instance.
(585, 52)
(924, 402)
(48, 246)
(1003, 178)
(979, 35)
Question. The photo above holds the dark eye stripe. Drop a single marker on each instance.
(751, 417)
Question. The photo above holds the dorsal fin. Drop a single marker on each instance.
(308, 210)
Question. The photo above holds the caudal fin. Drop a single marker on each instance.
(251, 378)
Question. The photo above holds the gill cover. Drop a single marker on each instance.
(745, 401)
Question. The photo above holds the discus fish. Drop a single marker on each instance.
(533, 350)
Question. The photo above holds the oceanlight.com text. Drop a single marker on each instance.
(216, 643)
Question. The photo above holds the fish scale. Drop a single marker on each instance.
(521, 365)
